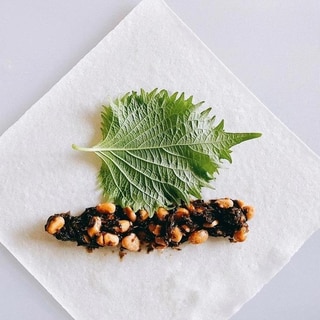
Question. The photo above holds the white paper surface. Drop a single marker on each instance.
(42, 175)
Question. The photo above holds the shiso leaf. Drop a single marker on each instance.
(159, 149)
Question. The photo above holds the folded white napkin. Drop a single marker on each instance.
(41, 175)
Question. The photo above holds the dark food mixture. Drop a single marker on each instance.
(110, 225)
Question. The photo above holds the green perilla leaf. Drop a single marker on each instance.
(159, 149)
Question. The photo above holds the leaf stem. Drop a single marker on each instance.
(75, 147)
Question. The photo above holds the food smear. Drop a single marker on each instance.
(109, 225)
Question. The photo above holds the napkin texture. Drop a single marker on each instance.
(41, 175)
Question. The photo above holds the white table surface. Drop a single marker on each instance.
(272, 46)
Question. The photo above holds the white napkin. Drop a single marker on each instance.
(42, 175)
